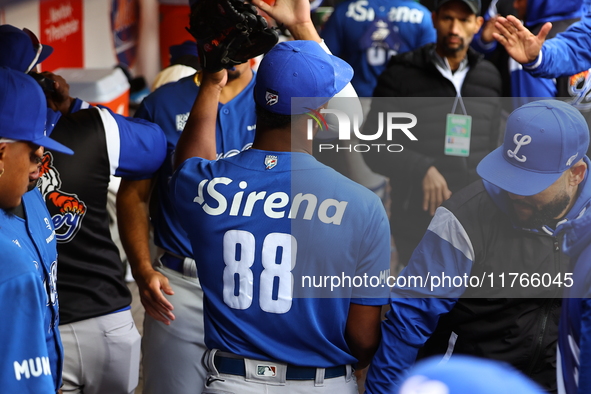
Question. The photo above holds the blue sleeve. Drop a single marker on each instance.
(585, 347)
(25, 366)
(136, 147)
(407, 327)
(477, 43)
(568, 53)
(481, 46)
(417, 304)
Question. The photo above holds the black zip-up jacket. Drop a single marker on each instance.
(423, 91)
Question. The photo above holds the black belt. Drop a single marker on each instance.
(173, 262)
(235, 366)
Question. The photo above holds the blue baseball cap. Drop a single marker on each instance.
(21, 48)
(299, 69)
(466, 375)
(23, 110)
(187, 48)
(542, 140)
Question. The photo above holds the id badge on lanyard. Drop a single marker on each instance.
(457, 131)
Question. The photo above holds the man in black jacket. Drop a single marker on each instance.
(427, 171)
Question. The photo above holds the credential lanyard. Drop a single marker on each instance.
(457, 131)
(459, 99)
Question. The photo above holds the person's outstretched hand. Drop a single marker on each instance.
(521, 44)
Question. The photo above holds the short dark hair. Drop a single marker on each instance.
(270, 119)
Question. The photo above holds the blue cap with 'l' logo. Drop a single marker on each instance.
(543, 139)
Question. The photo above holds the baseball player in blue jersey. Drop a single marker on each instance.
(30, 226)
(30, 346)
(262, 221)
(172, 351)
(366, 33)
(30, 222)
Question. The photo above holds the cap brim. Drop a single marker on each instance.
(45, 52)
(53, 145)
(343, 73)
(495, 169)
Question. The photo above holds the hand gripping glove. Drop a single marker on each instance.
(229, 32)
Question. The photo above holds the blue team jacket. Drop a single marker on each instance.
(568, 53)
(574, 343)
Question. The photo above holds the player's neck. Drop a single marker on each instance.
(235, 86)
(280, 140)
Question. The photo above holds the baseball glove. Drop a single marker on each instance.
(229, 32)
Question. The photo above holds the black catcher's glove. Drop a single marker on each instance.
(229, 32)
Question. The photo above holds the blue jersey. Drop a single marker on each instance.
(366, 33)
(23, 350)
(36, 237)
(169, 107)
(266, 228)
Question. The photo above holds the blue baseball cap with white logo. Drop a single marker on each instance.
(542, 140)
(299, 69)
(466, 375)
(23, 111)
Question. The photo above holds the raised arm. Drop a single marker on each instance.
(294, 14)
(198, 136)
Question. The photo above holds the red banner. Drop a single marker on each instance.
(173, 20)
(61, 26)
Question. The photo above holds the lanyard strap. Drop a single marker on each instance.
(459, 98)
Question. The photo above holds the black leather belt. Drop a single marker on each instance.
(173, 262)
(235, 366)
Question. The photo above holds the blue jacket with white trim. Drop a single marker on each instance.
(484, 310)
(574, 342)
(562, 14)
(568, 53)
